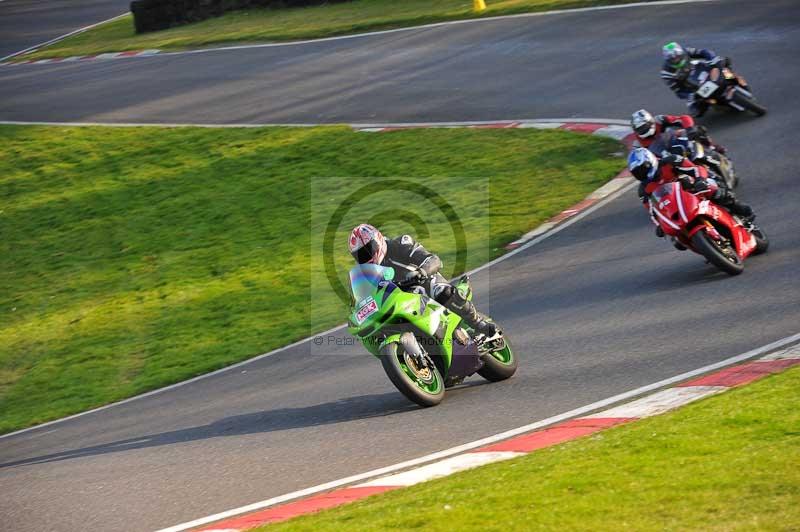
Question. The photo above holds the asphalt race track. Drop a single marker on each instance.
(25, 23)
(598, 309)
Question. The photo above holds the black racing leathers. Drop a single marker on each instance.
(417, 267)
(676, 78)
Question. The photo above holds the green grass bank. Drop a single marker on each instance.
(132, 258)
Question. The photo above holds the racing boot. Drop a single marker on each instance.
(469, 314)
(727, 199)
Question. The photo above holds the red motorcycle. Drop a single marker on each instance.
(706, 228)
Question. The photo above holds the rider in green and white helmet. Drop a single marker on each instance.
(677, 67)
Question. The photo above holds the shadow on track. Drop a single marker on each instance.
(340, 411)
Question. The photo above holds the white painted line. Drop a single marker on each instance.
(442, 468)
(609, 188)
(541, 125)
(615, 132)
(123, 444)
(784, 354)
(61, 38)
(660, 402)
(439, 25)
(545, 227)
(563, 225)
(360, 127)
(488, 440)
(373, 33)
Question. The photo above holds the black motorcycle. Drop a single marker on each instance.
(719, 85)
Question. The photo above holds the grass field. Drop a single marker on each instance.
(731, 462)
(275, 25)
(132, 258)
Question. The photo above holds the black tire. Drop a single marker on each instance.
(708, 248)
(402, 381)
(750, 104)
(495, 370)
(732, 179)
(762, 241)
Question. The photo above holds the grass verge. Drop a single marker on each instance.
(133, 258)
(276, 25)
(729, 462)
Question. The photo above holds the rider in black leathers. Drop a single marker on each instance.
(677, 67)
(417, 270)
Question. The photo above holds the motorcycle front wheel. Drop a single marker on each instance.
(723, 257)
(749, 104)
(421, 384)
(762, 242)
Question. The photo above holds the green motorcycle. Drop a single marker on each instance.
(423, 347)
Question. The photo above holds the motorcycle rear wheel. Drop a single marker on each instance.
(423, 386)
(499, 365)
(728, 172)
(712, 251)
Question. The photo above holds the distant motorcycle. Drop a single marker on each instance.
(423, 347)
(706, 228)
(717, 85)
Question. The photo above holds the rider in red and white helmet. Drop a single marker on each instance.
(367, 245)
(416, 267)
(655, 132)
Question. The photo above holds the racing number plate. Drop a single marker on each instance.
(366, 310)
(707, 89)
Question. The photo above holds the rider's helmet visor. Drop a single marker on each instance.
(365, 253)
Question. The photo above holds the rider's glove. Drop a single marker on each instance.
(686, 182)
(700, 186)
(412, 277)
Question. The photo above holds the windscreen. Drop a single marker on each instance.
(662, 192)
(364, 279)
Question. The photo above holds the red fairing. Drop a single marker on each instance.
(681, 214)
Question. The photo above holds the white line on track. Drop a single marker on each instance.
(437, 25)
(488, 440)
(554, 121)
(381, 32)
(61, 38)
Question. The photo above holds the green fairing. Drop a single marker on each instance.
(400, 307)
